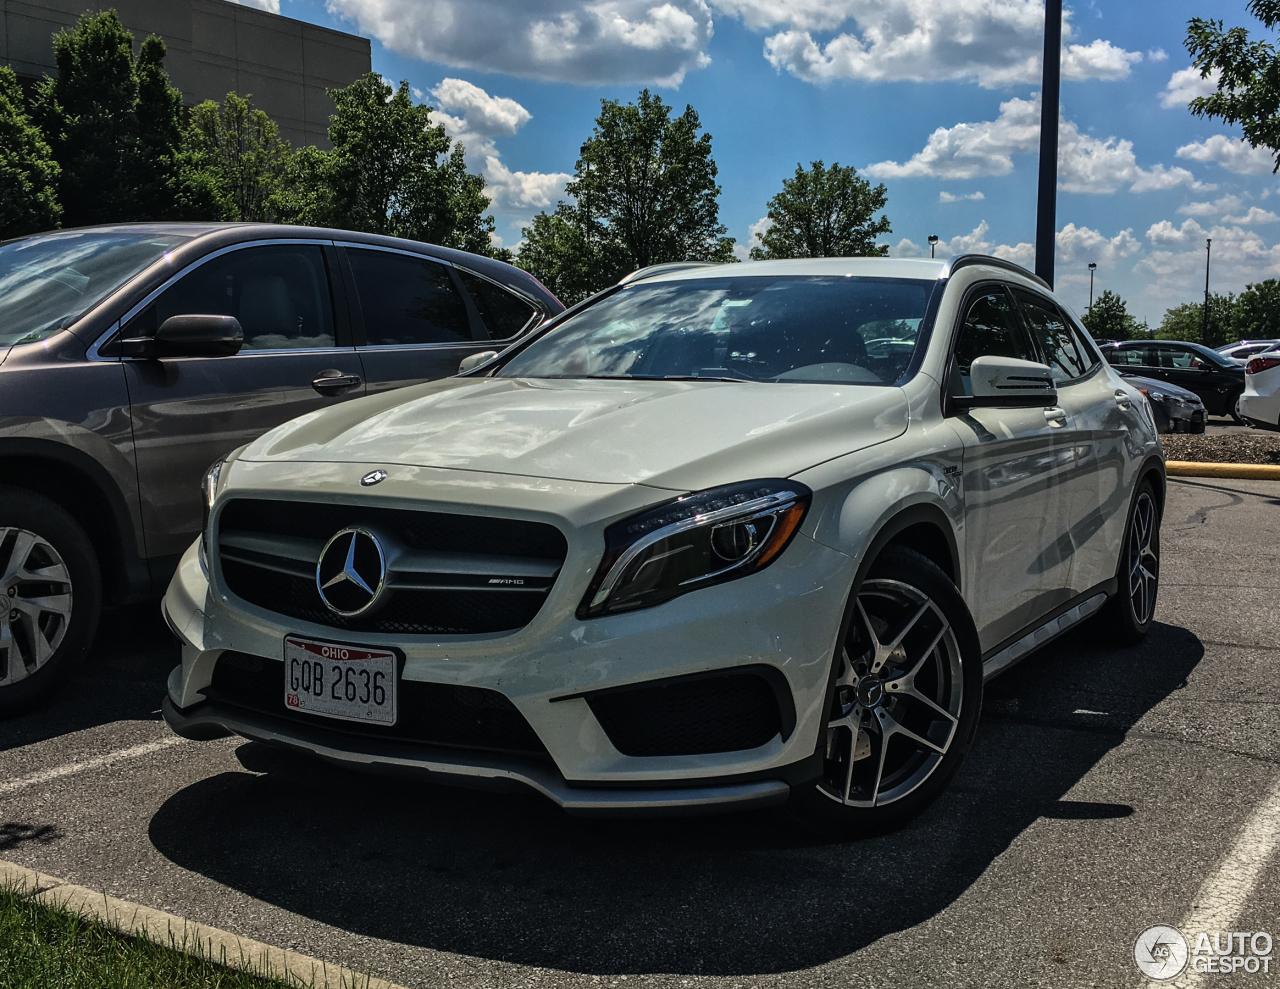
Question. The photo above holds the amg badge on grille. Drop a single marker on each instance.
(352, 572)
(373, 477)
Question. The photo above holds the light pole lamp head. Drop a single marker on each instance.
(933, 239)
(1092, 265)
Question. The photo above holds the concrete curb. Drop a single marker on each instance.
(183, 935)
(1188, 468)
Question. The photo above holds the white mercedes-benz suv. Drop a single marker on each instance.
(720, 537)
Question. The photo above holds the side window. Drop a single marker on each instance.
(1173, 357)
(1127, 356)
(504, 314)
(990, 329)
(1056, 338)
(407, 300)
(279, 293)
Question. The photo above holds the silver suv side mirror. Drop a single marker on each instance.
(475, 360)
(1007, 382)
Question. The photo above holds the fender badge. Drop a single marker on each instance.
(373, 477)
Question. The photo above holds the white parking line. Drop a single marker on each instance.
(1223, 897)
(71, 768)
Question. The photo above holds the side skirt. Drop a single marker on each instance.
(1021, 648)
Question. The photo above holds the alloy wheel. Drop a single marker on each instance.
(36, 589)
(897, 697)
(1144, 560)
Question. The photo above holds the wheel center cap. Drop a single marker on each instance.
(870, 691)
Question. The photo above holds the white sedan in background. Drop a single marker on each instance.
(1242, 350)
(1259, 404)
(695, 546)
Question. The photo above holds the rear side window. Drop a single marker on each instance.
(407, 300)
(279, 293)
(1127, 357)
(1063, 351)
(990, 329)
(503, 313)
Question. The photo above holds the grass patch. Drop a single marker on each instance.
(42, 947)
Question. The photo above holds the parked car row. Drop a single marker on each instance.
(136, 355)
(1217, 380)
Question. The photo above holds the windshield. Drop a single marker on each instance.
(828, 329)
(1212, 355)
(47, 283)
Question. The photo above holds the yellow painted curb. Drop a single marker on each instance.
(1188, 468)
(201, 940)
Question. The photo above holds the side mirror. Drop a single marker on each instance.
(1007, 382)
(475, 360)
(189, 336)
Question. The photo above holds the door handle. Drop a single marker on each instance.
(332, 381)
(1055, 415)
(1123, 400)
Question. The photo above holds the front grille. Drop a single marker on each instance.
(721, 712)
(431, 713)
(447, 574)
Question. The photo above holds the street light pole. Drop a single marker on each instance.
(1047, 193)
(1204, 332)
(1092, 268)
(933, 243)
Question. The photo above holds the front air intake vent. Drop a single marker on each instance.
(445, 574)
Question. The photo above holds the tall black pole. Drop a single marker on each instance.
(1204, 332)
(1047, 196)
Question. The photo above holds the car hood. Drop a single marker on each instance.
(683, 435)
(1168, 388)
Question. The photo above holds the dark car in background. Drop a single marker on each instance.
(1218, 380)
(134, 356)
(1176, 410)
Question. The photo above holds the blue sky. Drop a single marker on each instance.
(937, 100)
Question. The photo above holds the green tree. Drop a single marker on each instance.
(1257, 312)
(1249, 81)
(1109, 318)
(112, 121)
(28, 173)
(825, 213)
(644, 192)
(234, 162)
(1186, 322)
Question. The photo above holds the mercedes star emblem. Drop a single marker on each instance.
(374, 477)
(352, 572)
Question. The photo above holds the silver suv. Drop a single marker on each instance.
(132, 357)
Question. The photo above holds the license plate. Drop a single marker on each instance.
(337, 681)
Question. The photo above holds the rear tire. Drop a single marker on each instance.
(50, 598)
(903, 705)
(1128, 616)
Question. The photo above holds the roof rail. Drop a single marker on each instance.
(661, 269)
(964, 260)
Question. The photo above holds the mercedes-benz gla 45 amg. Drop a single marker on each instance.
(722, 536)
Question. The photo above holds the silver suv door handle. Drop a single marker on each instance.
(332, 381)
(1123, 400)
(1055, 415)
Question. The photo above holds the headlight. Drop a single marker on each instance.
(209, 491)
(695, 541)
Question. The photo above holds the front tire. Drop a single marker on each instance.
(1128, 616)
(50, 598)
(903, 703)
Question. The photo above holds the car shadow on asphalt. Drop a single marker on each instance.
(121, 679)
(513, 879)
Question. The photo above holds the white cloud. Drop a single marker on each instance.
(272, 6)
(476, 119)
(1239, 256)
(1085, 163)
(1255, 215)
(1076, 246)
(1224, 204)
(754, 232)
(995, 42)
(1185, 85)
(1234, 156)
(1157, 55)
(589, 42)
(947, 197)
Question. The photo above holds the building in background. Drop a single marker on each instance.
(215, 46)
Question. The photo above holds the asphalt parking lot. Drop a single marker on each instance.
(1109, 790)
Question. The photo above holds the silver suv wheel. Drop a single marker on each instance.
(37, 594)
(898, 697)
